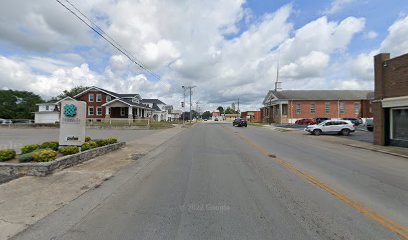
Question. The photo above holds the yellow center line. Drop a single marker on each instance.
(370, 213)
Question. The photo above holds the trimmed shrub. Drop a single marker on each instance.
(69, 150)
(111, 140)
(28, 157)
(50, 145)
(88, 145)
(7, 154)
(44, 155)
(88, 139)
(29, 148)
(100, 142)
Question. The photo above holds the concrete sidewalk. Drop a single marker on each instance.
(26, 200)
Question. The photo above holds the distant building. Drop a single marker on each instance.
(252, 116)
(290, 105)
(391, 100)
(49, 112)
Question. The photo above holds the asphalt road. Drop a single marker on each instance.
(214, 181)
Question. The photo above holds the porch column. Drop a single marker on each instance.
(107, 112)
(280, 112)
(137, 112)
(130, 112)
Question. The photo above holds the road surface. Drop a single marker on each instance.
(214, 181)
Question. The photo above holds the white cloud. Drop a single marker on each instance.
(336, 6)
(396, 42)
(371, 35)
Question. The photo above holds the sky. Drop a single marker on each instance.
(228, 49)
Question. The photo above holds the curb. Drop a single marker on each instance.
(377, 150)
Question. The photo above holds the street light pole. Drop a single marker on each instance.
(184, 103)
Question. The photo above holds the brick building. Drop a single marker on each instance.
(391, 100)
(290, 105)
(252, 116)
(102, 104)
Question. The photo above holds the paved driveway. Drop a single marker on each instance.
(15, 138)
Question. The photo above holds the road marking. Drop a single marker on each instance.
(370, 213)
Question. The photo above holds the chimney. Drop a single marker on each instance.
(380, 66)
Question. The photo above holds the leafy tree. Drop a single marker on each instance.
(221, 109)
(18, 104)
(233, 106)
(71, 93)
(206, 115)
(230, 110)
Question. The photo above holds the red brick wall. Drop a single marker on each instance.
(85, 98)
(320, 109)
(391, 80)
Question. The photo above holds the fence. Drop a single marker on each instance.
(118, 122)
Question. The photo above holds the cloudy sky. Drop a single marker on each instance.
(229, 49)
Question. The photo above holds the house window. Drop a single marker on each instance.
(399, 124)
(312, 108)
(327, 107)
(356, 108)
(342, 108)
(99, 111)
(108, 98)
(91, 111)
(122, 112)
(285, 109)
(99, 97)
(91, 97)
(298, 109)
(109, 111)
(47, 108)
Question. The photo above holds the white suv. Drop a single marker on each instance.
(331, 127)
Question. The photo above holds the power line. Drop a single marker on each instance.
(111, 41)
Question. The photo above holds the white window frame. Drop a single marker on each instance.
(122, 112)
(313, 108)
(97, 96)
(357, 110)
(108, 98)
(89, 97)
(89, 111)
(298, 108)
(327, 107)
(97, 111)
(342, 108)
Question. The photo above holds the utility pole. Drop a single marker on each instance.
(238, 107)
(190, 88)
(184, 103)
(197, 110)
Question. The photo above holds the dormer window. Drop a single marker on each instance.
(136, 98)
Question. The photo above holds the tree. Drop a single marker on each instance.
(221, 109)
(233, 106)
(206, 115)
(71, 93)
(18, 104)
(229, 110)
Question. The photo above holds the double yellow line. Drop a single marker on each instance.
(370, 213)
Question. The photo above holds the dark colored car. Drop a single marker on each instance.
(305, 121)
(355, 121)
(239, 122)
(370, 124)
(320, 120)
(216, 119)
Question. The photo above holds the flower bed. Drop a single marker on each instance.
(40, 160)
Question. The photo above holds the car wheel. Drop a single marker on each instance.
(317, 132)
(345, 132)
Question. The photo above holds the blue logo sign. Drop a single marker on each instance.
(70, 110)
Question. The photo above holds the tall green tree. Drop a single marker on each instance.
(206, 115)
(18, 104)
(221, 109)
(71, 93)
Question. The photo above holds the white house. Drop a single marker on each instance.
(49, 112)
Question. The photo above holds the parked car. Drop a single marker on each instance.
(320, 119)
(5, 121)
(370, 124)
(216, 119)
(344, 127)
(355, 121)
(239, 122)
(305, 121)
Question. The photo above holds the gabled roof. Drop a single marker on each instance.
(155, 107)
(319, 95)
(152, 100)
(128, 102)
(127, 95)
(99, 89)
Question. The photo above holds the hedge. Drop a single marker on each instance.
(7, 154)
(44, 155)
(50, 145)
(69, 150)
(29, 148)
